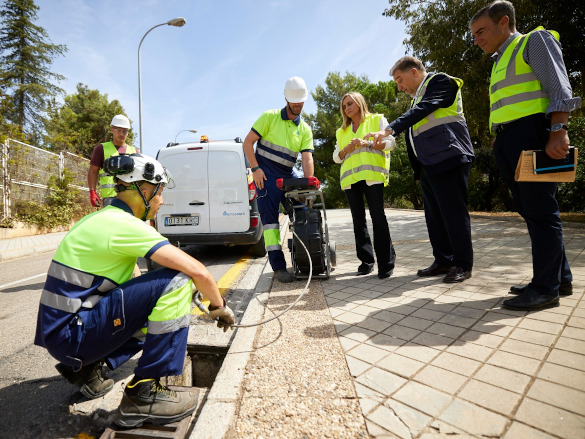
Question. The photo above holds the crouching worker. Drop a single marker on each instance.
(93, 314)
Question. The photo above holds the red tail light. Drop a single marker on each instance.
(253, 221)
(251, 191)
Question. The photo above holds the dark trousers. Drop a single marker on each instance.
(445, 203)
(536, 202)
(383, 247)
(269, 200)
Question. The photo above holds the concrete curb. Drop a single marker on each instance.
(218, 414)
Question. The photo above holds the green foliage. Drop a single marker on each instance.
(438, 34)
(61, 208)
(81, 122)
(25, 57)
(381, 98)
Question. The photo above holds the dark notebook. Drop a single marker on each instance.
(543, 164)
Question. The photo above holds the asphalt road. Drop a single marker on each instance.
(34, 399)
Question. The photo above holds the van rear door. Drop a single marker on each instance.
(228, 189)
(186, 207)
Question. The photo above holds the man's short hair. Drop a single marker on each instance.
(406, 63)
(496, 11)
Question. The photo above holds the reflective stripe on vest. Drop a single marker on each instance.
(272, 237)
(173, 307)
(106, 181)
(515, 91)
(274, 157)
(441, 116)
(363, 163)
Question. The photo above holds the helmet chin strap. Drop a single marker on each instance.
(147, 203)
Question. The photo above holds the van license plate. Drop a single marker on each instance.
(181, 221)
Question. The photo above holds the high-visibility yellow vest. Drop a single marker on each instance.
(107, 181)
(363, 163)
(441, 116)
(515, 91)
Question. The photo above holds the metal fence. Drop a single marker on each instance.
(27, 170)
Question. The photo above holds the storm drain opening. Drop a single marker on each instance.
(205, 363)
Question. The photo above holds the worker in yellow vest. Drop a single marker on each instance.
(441, 153)
(120, 126)
(530, 102)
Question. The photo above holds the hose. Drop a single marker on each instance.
(204, 309)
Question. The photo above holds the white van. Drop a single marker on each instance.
(214, 198)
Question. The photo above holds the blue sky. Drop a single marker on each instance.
(226, 66)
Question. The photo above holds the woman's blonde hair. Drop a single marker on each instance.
(360, 102)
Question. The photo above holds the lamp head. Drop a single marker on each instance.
(178, 22)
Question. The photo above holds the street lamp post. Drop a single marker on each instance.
(182, 131)
(178, 22)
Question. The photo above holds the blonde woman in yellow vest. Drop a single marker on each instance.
(364, 173)
(120, 126)
(530, 103)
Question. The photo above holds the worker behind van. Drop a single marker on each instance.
(279, 136)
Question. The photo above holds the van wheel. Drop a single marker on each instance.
(151, 265)
(259, 249)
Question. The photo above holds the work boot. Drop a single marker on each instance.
(90, 379)
(284, 276)
(149, 401)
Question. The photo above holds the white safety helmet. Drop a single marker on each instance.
(295, 90)
(131, 168)
(120, 121)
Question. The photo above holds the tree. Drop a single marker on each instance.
(82, 121)
(438, 34)
(381, 98)
(26, 54)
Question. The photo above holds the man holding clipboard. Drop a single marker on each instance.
(530, 99)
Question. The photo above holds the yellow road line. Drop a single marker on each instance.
(226, 280)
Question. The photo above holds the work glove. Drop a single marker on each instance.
(223, 315)
(94, 199)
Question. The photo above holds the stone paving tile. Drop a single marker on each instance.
(356, 333)
(490, 397)
(535, 337)
(461, 365)
(423, 398)
(536, 325)
(571, 345)
(403, 366)
(563, 375)
(481, 338)
(514, 362)
(554, 394)
(504, 378)
(576, 333)
(381, 380)
(441, 379)
(417, 352)
(474, 419)
(531, 350)
(401, 332)
(518, 430)
(551, 419)
(374, 324)
(356, 366)
(569, 359)
(368, 353)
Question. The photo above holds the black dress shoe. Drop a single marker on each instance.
(566, 289)
(434, 270)
(531, 301)
(385, 274)
(364, 269)
(456, 274)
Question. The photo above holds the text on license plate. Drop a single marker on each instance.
(181, 221)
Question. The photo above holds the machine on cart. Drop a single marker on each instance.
(305, 206)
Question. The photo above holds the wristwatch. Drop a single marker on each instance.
(557, 127)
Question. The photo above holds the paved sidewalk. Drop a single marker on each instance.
(422, 358)
(14, 248)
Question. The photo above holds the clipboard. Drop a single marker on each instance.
(525, 170)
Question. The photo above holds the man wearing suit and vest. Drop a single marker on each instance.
(441, 153)
(120, 126)
(530, 102)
